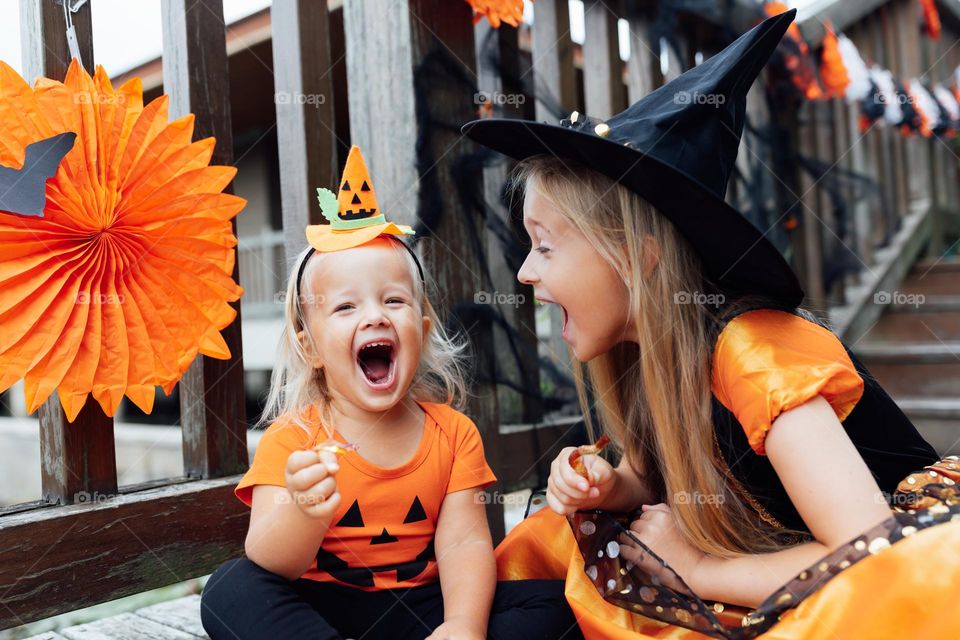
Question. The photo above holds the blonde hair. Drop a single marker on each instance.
(296, 387)
(653, 397)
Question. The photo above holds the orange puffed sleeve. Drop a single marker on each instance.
(270, 459)
(767, 362)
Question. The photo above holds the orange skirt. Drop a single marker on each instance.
(907, 589)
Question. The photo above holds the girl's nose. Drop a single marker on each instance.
(526, 274)
(376, 316)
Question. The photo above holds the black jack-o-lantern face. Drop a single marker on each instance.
(363, 576)
(357, 204)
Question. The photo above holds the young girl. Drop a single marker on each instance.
(755, 447)
(367, 517)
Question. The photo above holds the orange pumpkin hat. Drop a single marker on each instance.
(354, 214)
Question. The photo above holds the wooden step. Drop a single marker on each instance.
(936, 265)
(911, 327)
(927, 305)
(943, 435)
(174, 620)
(911, 353)
(926, 408)
(910, 379)
(937, 420)
(932, 283)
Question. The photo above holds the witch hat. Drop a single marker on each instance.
(676, 148)
(353, 213)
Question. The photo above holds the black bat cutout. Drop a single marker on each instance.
(24, 190)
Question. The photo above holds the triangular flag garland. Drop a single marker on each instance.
(912, 106)
(841, 72)
(931, 19)
(833, 74)
(795, 56)
(497, 12)
(127, 274)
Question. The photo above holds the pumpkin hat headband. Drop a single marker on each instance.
(354, 216)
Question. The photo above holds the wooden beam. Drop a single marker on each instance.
(78, 459)
(195, 75)
(532, 448)
(412, 84)
(43, 39)
(604, 91)
(57, 559)
(643, 66)
(499, 80)
(552, 52)
(303, 94)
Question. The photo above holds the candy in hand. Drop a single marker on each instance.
(576, 458)
(334, 446)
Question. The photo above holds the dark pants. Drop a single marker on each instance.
(241, 600)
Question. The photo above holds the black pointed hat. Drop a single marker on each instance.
(676, 148)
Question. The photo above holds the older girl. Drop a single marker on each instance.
(754, 445)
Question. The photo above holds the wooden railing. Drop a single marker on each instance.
(415, 68)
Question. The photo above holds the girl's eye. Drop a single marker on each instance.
(396, 301)
(343, 307)
(542, 249)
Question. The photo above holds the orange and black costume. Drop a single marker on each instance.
(766, 362)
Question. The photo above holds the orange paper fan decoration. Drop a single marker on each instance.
(127, 276)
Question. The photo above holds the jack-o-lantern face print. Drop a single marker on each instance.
(399, 541)
(363, 202)
(356, 199)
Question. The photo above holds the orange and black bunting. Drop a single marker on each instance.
(498, 11)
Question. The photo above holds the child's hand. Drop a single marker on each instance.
(457, 629)
(311, 481)
(568, 491)
(657, 528)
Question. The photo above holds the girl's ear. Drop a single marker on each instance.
(651, 254)
(313, 359)
(427, 323)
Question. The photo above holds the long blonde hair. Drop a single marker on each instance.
(296, 387)
(653, 397)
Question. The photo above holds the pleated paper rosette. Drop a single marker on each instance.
(127, 275)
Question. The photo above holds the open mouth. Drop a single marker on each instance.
(377, 363)
(563, 310)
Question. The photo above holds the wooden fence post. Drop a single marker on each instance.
(498, 72)
(412, 84)
(78, 460)
(643, 67)
(306, 139)
(212, 399)
(604, 91)
(552, 52)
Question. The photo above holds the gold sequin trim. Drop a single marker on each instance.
(747, 497)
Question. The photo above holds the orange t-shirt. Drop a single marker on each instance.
(381, 536)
